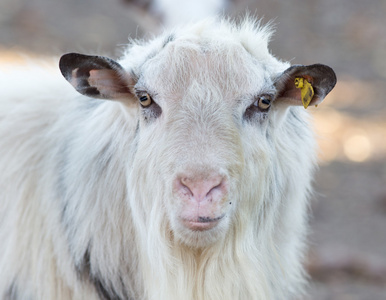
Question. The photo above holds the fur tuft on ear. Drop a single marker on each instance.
(96, 76)
(321, 77)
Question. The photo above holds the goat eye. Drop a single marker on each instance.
(259, 108)
(145, 100)
(263, 103)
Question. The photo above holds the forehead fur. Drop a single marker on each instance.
(210, 52)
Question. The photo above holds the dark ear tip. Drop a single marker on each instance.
(329, 76)
(65, 64)
(327, 71)
(68, 62)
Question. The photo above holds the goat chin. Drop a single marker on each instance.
(201, 234)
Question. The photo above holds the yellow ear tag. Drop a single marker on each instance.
(306, 90)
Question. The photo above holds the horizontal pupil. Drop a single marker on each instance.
(266, 101)
(143, 98)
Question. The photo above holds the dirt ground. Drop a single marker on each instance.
(347, 259)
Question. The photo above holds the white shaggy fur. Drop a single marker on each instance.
(87, 209)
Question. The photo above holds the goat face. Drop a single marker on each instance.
(204, 157)
(192, 127)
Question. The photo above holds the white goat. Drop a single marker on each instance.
(193, 184)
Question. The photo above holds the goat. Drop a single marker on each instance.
(192, 183)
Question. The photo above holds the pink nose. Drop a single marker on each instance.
(211, 188)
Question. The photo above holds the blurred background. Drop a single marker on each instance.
(347, 257)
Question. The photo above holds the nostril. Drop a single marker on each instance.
(184, 181)
(216, 188)
(184, 186)
(202, 189)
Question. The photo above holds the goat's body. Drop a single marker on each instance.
(75, 222)
(35, 157)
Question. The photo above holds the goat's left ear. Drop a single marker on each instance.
(321, 78)
(96, 76)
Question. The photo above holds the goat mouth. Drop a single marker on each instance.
(202, 223)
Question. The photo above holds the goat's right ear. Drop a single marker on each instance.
(96, 76)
